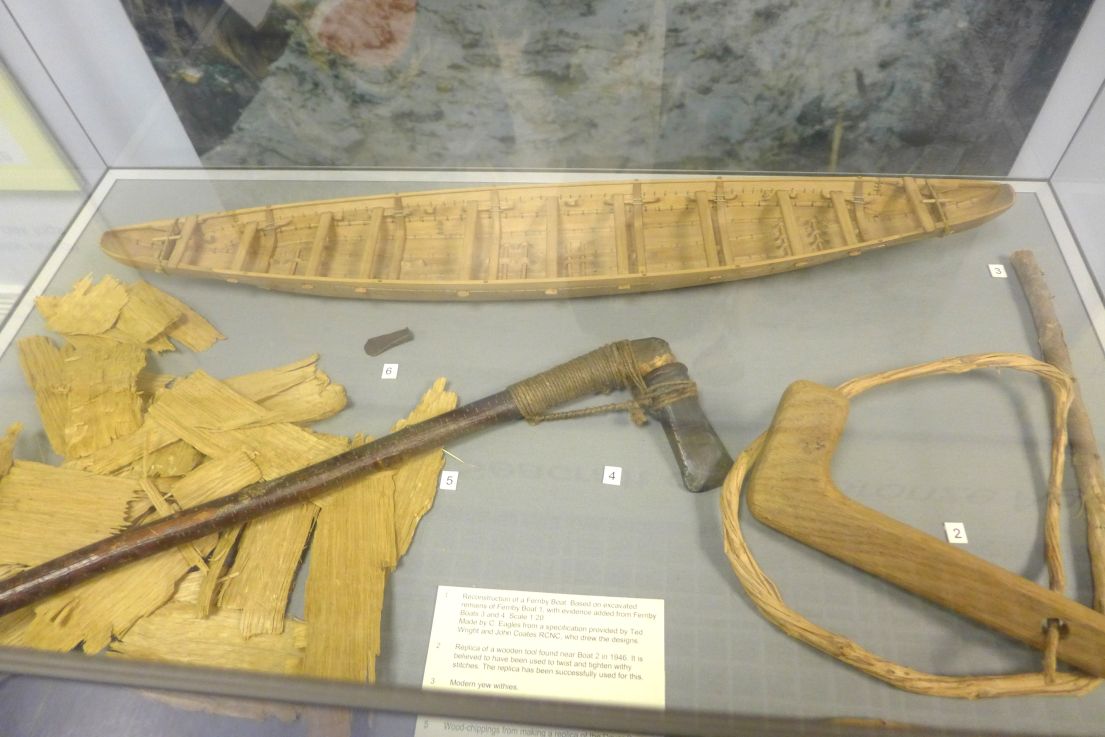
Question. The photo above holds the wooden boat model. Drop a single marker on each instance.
(558, 240)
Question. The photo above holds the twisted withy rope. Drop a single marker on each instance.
(765, 595)
(601, 371)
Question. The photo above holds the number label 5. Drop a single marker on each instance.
(449, 480)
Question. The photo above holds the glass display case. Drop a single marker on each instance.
(562, 575)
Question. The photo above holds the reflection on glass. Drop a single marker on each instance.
(945, 87)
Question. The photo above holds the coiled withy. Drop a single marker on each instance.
(767, 598)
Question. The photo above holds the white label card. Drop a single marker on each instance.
(600, 649)
(434, 727)
(449, 480)
(956, 532)
(998, 271)
(391, 371)
(612, 475)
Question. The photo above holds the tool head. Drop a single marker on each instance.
(661, 388)
(702, 458)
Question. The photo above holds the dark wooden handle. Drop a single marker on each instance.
(643, 356)
(251, 502)
(791, 490)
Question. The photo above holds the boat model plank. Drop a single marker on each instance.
(559, 240)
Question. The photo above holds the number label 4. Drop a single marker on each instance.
(612, 475)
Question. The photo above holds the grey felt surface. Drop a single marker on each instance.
(531, 511)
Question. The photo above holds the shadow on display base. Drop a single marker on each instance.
(412, 703)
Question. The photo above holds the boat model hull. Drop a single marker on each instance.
(556, 241)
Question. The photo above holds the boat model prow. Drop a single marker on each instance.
(557, 240)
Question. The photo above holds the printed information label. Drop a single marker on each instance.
(599, 649)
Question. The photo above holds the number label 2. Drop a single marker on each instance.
(956, 532)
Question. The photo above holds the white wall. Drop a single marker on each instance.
(29, 74)
(31, 222)
(1071, 96)
(1084, 160)
(1079, 184)
(96, 61)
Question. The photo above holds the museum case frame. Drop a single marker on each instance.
(530, 513)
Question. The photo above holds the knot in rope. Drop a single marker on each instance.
(601, 371)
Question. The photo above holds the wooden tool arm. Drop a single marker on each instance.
(791, 490)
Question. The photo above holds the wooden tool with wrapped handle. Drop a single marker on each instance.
(660, 387)
(791, 490)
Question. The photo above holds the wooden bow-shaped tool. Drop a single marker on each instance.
(791, 490)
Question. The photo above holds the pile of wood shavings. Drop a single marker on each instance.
(137, 445)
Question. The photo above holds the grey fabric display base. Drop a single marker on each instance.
(531, 513)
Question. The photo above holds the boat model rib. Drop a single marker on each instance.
(559, 240)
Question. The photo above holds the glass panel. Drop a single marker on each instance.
(948, 87)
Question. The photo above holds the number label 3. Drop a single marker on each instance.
(956, 532)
